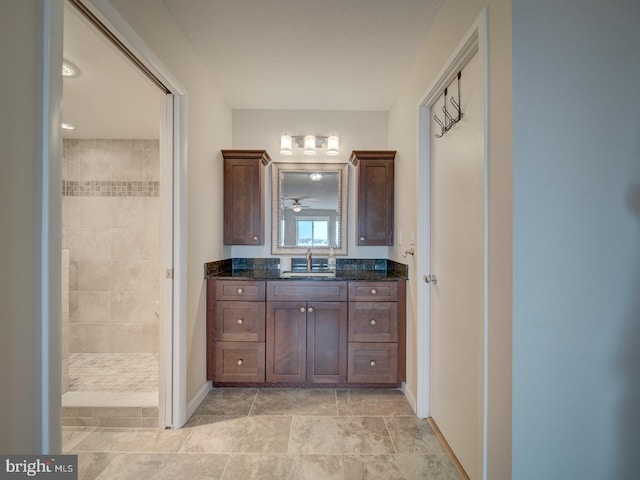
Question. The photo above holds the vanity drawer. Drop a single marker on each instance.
(240, 290)
(240, 321)
(240, 362)
(373, 291)
(373, 322)
(373, 363)
(307, 290)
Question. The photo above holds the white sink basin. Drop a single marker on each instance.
(307, 273)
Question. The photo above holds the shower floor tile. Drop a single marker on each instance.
(113, 372)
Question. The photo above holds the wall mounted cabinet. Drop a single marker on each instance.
(244, 196)
(375, 196)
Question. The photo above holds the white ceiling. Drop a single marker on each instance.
(306, 54)
(263, 54)
(110, 98)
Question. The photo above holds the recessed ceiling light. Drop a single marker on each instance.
(69, 69)
(69, 126)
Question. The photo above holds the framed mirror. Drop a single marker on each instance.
(309, 208)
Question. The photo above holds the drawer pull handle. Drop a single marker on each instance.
(240, 321)
(302, 309)
(372, 363)
(372, 322)
(310, 310)
(255, 238)
(240, 361)
(240, 291)
(373, 291)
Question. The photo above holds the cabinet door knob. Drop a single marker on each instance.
(240, 361)
(372, 322)
(240, 321)
(372, 363)
(255, 238)
(240, 290)
(373, 291)
(362, 239)
(302, 309)
(310, 310)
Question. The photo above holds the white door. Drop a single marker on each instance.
(457, 261)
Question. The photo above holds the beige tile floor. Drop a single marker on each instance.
(292, 434)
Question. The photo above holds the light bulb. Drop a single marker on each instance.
(286, 145)
(309, 145)
(332, 145)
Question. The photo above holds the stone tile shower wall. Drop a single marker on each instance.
(111, 229)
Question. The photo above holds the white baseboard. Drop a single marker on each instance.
(198, 398)
(409, 396)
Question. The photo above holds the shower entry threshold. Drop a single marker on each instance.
(110, 409)
(112, 390)
(110, 399)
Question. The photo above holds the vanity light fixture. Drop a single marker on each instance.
(69, 69)
(309, 144)
(316, 177)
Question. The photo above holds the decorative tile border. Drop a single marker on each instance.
(110, 188)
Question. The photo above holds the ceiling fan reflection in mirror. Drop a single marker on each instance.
(296, 206)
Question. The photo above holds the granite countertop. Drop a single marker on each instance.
(373, 270)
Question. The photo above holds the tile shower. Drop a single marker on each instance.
(110, 215)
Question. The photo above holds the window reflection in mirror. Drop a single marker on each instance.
(309, 207)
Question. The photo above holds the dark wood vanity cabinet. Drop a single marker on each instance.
(244, 196)
(306, 342)
(306, 332)
(376, 332)
(236, 331)
(306, 335)
(375, 196)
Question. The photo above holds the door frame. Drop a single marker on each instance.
(173, 206)
(473, 42)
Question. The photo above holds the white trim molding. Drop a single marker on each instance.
(474, 41)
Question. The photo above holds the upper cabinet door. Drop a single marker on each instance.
(375, 196)
(244, 196)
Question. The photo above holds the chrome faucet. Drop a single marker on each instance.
(308, 256)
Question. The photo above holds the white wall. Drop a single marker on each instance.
(453, 20)
(208, 131)
(261, 129)
(29, 249)
(576, 276)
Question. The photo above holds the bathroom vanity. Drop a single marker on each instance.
(268, 331)
(338, 327)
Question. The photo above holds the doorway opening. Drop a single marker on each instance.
(452, 221)
(121, 308)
